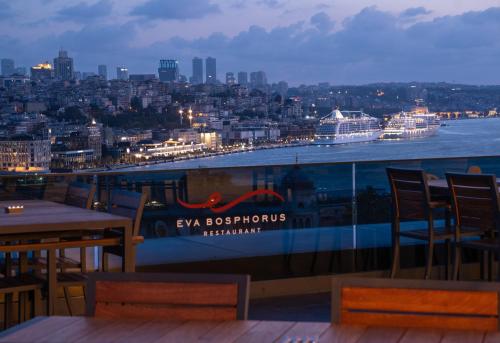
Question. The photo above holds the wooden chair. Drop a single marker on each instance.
(476, 205)
(411, 200)
(168, 296)
(17, 280)
(126, 204)
(443, 305)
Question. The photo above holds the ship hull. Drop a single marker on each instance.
(409, 134)
(348, 138)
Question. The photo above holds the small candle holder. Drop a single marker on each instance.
(14, 209)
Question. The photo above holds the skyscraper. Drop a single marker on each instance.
(243, 78)
(197, 71)
(63, 66)
(122, 73)
(168, 70)
(7, 67)
(211, 70)
(258, 79)
(230, 80)
(102, 71)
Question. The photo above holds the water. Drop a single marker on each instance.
(461, 138)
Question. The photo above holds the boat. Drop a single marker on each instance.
(414, 124)
(342, 127)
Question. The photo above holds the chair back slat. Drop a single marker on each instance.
(475, 200)
(128, 204)
(80, 195)
(427, 304)
(168, 296)
(410, 193)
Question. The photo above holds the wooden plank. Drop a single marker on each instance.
(381, 335)
(492, 337)
(148, 332)
(463, 337)
(188, 332)
(420, 300)
(114, 330)
(265, 332)
(303, 330)
(82, 327)
(114, 310)
(422, 336)
(342, 333)
(228, 331)
(420, 321)
(167, 293)
(41, 328)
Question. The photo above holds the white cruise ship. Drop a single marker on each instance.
(347, 127)
(418, 123)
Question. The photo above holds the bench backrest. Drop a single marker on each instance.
(168, 296)
(432, 304)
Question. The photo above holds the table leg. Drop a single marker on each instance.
(128, 262)
(51, 281)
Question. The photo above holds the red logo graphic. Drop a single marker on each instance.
(215, 198)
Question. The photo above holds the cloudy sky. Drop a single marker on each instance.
(300, 41)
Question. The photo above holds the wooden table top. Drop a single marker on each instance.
(40, 216)
(84, 329)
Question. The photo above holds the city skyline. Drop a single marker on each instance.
(306, 42)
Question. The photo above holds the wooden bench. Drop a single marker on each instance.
(432, 304)
(168, 296)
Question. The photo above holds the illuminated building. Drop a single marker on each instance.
(168, 70)
(63, 66)
(122, 73)
(102, 71)
(42, 71)
(243, 78)
(197, 71)
(7, 67)
(24, 154)
(211, 70)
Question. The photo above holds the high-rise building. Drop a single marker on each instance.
(7, 67)
(63, 66)
(243, 78)
(211, 70)
(102, 71)
(230, 80)
(197, 71)
(258, 79)
(42, 71)
(122, 73)
(168, 70)
(20, 71)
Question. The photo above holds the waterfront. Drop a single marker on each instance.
(478, 137)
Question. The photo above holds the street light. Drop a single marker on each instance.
(190, 120)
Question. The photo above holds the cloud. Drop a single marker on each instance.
(414, 12)
(370, 46)
(271, 3)
(322, 22)
(5, 10)
(180, 10)
(83, 12)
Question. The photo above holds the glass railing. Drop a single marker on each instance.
(269, 221)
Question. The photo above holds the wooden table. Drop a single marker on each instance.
(51, 219)
(84, 329)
